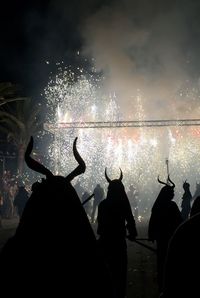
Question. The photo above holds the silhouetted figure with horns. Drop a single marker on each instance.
(114, 220)
(54, 250)
(186, 201)
(165, 218)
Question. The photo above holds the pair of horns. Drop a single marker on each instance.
(168, 180)
(38, 167)
(109, 180)
(185, 182)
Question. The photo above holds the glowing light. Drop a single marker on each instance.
(153, 142)
(140, 154)
(140, 218)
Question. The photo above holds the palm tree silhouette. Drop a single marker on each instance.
(18, 121)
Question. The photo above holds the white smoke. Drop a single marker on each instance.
(141, 46)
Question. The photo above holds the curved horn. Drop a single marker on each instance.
(121, 175)
(81, 167)
(33, 164)
(161, 181)
(168, 179)
(107, 178)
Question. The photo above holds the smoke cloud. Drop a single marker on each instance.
(143, 47)
(147, 48)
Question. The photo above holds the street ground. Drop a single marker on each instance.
(141, 261)
(142, 282)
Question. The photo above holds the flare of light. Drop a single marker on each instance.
(139, 152)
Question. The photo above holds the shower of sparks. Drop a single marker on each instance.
(140, 152)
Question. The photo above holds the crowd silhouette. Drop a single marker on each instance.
(56, 251)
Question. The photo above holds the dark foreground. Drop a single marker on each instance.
(141, 262)
(142, 281)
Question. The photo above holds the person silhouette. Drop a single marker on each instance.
(21, 199)
(133, 198)
(98, 197)
(114, 220)
(165, 218)
(186, 201)
(54, 248)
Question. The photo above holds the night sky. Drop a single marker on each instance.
(151, 46)
(33, 32)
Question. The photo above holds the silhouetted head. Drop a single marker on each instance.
(186, 185)
(38, 167)
(50, 178)
(54, 195)
(167, 192)
(115, 187)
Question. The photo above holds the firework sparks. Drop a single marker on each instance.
(140, 152)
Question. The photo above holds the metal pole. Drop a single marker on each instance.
(145, 245)
(167, 163)
(89, 198)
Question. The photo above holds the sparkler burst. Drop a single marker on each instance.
(139, 152)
